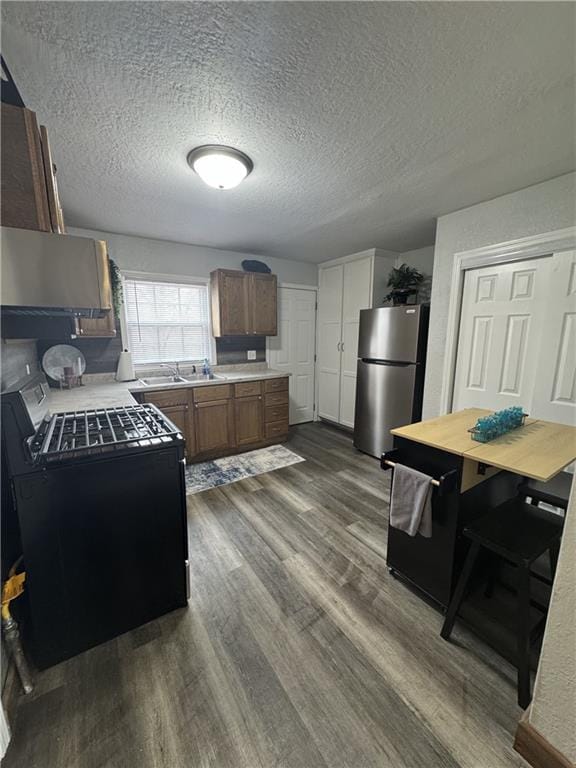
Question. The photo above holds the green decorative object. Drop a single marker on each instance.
(405, 282)
(116, 283)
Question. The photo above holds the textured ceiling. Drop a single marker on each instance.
(365, 121)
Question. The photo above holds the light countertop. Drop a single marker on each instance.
(102, 391)
(539, 449)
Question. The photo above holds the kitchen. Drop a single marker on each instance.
(233, 592)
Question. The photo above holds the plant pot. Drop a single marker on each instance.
(400, 295)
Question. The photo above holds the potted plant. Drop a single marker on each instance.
(404, 281)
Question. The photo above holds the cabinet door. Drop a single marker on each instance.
(249, 420)
(214, 422)
(56, 215)
(97, 326)
(24, 195)
(329, 341)
(182, 417)
(356, 296)
(230, 303)
(264, 305)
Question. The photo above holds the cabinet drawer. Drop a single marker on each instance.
(276, 385)
(167, 397)
(209, 393)
(276, 413)
(276, 429)
(276, 398)
(248, 388)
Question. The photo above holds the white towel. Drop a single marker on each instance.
(411, 504)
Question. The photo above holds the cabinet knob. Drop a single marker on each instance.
(259, 397)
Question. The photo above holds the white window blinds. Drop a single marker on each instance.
(167, 322)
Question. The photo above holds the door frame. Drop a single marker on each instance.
(519, 249)
(303, 287)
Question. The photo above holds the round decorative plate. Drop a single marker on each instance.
(61, 356)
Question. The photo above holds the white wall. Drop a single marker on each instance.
(422, 259)
(553, 709)
(531, 211)
(139, 254)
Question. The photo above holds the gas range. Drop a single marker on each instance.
(77, 434)
(96, 502)
(34, 438)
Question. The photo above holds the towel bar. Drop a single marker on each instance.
(393, 464)
(445, 484)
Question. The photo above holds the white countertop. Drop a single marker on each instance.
(102, 391)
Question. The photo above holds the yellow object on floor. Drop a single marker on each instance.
(12, 588)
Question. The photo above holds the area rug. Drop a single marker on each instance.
(230, 469)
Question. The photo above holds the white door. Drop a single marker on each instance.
(356, 296)
(292, 350)
(555, 391)
(329, 341)
(505, 313)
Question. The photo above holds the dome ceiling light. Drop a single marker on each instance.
(218, 166)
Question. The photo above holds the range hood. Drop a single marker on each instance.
(49, 275)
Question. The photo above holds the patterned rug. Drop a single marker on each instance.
(230, 469)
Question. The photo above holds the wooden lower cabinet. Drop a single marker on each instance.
(180, 415)
(249, 420)
(214, 421)
(176, 405)
(223, 419)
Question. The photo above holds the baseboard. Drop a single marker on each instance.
(535, 749)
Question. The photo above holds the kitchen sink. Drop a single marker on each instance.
(193, 378)
(154, 381)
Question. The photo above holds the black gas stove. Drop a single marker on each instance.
(38, 438)
(99, 501)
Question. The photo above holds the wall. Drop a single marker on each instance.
(140, 254)
(15, 355)
(553, 709)
(535, 210)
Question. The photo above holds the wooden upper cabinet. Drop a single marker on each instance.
(29, 191)
(97, 327)
(243, 303)
(54, 207)
(229, 294)
(264, 304)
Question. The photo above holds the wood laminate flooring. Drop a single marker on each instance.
(298, 649)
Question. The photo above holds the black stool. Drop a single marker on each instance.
(519, 533)
(555, 492)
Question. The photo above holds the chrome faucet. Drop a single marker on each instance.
(174, 369)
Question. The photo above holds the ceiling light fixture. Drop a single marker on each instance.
(218, 166)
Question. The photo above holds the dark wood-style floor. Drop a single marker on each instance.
(298, 648)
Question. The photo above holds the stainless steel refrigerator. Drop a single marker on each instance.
(390, 382)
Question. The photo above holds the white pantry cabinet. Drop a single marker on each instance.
(347, 285)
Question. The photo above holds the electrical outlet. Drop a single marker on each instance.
(251, 354)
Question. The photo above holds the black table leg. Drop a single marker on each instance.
(459, 591)
(523, 639)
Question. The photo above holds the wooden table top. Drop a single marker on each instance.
(448, 433)
(539, 449)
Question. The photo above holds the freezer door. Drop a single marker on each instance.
(384, 398)
(390, 333)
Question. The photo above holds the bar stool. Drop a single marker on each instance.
(519, 533)
(555, 492)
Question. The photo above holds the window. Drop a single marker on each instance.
(167, 322)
